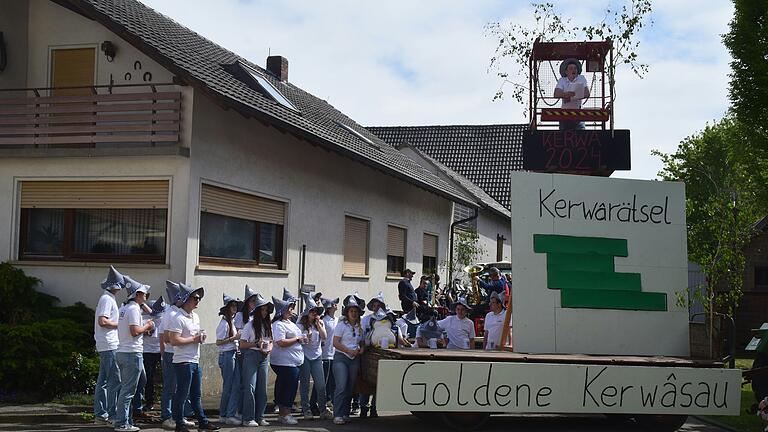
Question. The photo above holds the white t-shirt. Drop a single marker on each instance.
(249, 335)
(461, 332)
(106, 338)
(494, 323)
(328, 349)
(349, 337)
(169, 316)
(579, 86)
(152, 342)
(222, 332)
(130, 314)
(238, 321)
(292, 355)
(186, 324)
(313, 349)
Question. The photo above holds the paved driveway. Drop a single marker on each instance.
(402, 422)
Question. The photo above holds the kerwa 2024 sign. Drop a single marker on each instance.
(596, 264)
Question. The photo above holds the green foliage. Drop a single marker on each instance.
(722, 205)
(47, 350)
(515, 42)
(747, 41)
(467, 249)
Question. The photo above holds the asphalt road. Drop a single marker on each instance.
(401, 422)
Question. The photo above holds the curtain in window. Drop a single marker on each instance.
(119, 231)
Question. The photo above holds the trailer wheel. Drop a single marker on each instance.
(465, 421)
(660, 422)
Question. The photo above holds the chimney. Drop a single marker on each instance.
(278, 66)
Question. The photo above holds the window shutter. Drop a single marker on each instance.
(95, 194)
(355, 246)
(241, 205)
(395, 241)
(430, 245)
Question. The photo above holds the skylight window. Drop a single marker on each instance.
(358, 134)
(268, 88)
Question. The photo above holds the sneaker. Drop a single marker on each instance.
(238, 416)
(189, 423)
(355, 409)
(374, 413)
(364, 412)
(308, 415)
(169, 424)
(233, 421)
(251, 423)
(275, 409)
(102, 420)
(263, 422)
(208, 426)
(326, 415)
(287, 420)
(339, 420)
(127, 428)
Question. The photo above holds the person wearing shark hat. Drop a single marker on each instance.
(406, 321)
(374, 305)
(129, 356)
(431, 330)
(460, 329)
(246, 309)
(145, 391)
(186, 337)
(256, 344)
(227, 337)
(166, 349)
(105, 335)
(286, 358)
(348, 341)
(329, 322)
(311, 324)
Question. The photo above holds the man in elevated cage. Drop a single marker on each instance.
(572, 89)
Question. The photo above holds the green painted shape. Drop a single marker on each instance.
(552, 243)
(611, 299)
(579, 262)
(593, 280)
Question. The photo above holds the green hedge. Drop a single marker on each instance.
(47, 350)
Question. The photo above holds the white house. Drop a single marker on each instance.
(128, 139)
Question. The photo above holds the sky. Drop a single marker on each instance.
(426, 62)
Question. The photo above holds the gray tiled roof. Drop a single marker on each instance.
(200, 63)
(484, 154)
(467, 185)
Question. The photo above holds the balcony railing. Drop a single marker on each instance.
(90, 116)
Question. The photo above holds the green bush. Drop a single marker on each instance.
(47, 350)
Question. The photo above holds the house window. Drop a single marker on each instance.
(123, 221)
(761, 278)
(500, 247)
(462, 212)
(395, 250)
(240, 229)
(429, 260)
(355, 246)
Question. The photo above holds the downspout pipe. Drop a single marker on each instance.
(453, 229)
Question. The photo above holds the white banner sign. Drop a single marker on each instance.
(413, 385)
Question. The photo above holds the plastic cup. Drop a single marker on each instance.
(433, 343)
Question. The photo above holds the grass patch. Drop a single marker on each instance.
(744, 421)
(75, 399)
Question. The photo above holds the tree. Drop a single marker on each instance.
(722, 205)
(515, 42)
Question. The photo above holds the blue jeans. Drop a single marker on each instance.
(330, 385)
(131, 365)
(169, 388)
(255, 377)
(107, 386)
(286, 385)
(189, 383)
(315, 369)
(230, 392)
(345, 374)
(145, 392)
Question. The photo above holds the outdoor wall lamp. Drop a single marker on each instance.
(109, 49)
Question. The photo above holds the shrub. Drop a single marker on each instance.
(47, 350)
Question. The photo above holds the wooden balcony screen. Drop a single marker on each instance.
(147, 117)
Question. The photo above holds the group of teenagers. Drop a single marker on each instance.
(252, 336)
